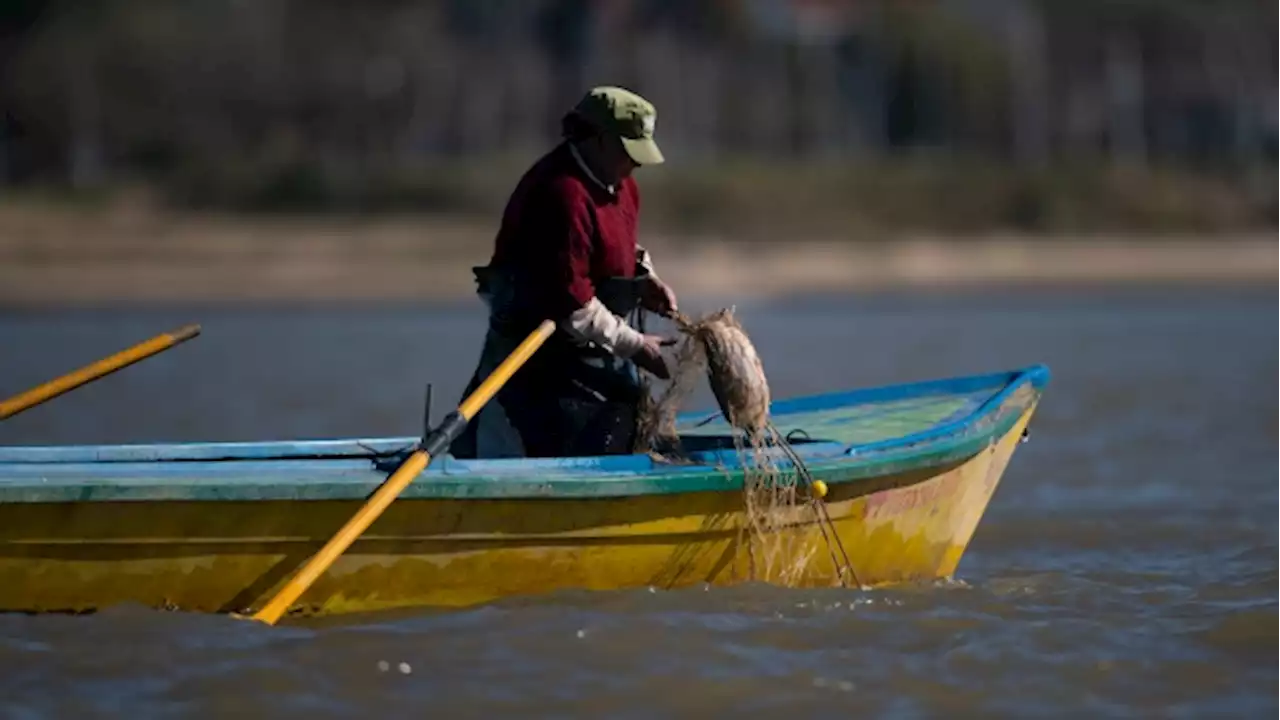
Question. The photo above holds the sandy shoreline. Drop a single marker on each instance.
(88, 258)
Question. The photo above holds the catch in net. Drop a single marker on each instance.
(780, 517)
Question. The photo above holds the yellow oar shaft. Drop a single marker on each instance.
(435, 444)
(89, 373)
(338, 544)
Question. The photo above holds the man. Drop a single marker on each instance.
(567, 251)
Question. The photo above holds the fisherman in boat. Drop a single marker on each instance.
(566, 250)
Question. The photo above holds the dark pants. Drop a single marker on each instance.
(558, 405)
(572, 427)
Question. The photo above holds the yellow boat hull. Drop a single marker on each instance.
(232, 556)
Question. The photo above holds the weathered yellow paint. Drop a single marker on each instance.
(368, 513)
(233, 556)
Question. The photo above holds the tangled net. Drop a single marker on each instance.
(779, 519)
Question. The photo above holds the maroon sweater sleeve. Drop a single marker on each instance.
(569, 231)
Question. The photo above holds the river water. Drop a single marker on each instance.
(1127, 566)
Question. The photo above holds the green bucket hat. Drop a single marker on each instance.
(625, 114)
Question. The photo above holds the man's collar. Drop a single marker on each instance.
(586, 170)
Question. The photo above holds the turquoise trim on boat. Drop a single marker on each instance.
(952, 420)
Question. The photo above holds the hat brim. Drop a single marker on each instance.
(643, 150)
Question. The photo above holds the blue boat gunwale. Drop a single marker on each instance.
(352, 476)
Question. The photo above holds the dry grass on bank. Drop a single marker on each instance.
(52, 254)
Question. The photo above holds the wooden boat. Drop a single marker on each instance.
(909, 470)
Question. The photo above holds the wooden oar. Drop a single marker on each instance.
(89, 373)
(433, 445)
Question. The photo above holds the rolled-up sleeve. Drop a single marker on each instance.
(572, 294)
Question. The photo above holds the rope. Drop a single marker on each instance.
(820, 508)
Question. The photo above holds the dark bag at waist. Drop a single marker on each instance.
(563, 367)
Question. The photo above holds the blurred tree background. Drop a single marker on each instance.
(778, 117)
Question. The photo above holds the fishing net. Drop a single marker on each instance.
(782, 535)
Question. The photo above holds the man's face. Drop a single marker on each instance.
(614, 157)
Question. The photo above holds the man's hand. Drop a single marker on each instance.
(657, 297)
(649, 356)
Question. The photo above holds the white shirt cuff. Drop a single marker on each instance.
(645, 260)
(595, 323)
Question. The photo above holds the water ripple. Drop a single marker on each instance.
(1127, 566)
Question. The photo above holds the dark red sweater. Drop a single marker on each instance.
(566, 231)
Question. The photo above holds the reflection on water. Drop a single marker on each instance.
(1126, 567)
